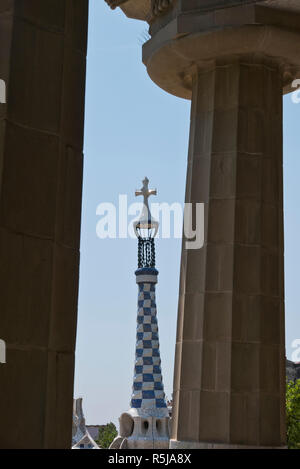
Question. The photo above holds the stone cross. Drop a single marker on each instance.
(146, 220)
(146, 192)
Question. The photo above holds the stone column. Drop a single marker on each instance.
(228, 387)
(42, 60)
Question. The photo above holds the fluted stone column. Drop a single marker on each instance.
(42, 60)
(228, 387)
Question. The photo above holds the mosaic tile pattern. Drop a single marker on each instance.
(148, 390)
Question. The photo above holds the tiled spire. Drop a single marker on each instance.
(148, 395)
(146, 423)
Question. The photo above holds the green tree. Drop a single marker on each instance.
(293, 414)
(107, 433)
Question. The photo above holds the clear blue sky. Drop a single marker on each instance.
(133, 129)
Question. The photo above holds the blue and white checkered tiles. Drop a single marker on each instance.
(148, 391)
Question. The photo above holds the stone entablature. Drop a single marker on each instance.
(150, 10)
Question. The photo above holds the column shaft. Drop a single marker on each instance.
(229, 382)
(42, 60)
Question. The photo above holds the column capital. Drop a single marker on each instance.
(196, 38)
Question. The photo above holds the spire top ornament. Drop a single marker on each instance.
(146, 228)
(145, 191)
(146, 221)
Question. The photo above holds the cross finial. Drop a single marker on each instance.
(146, 220)
(145, 191)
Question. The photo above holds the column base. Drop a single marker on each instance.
(174, 444)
